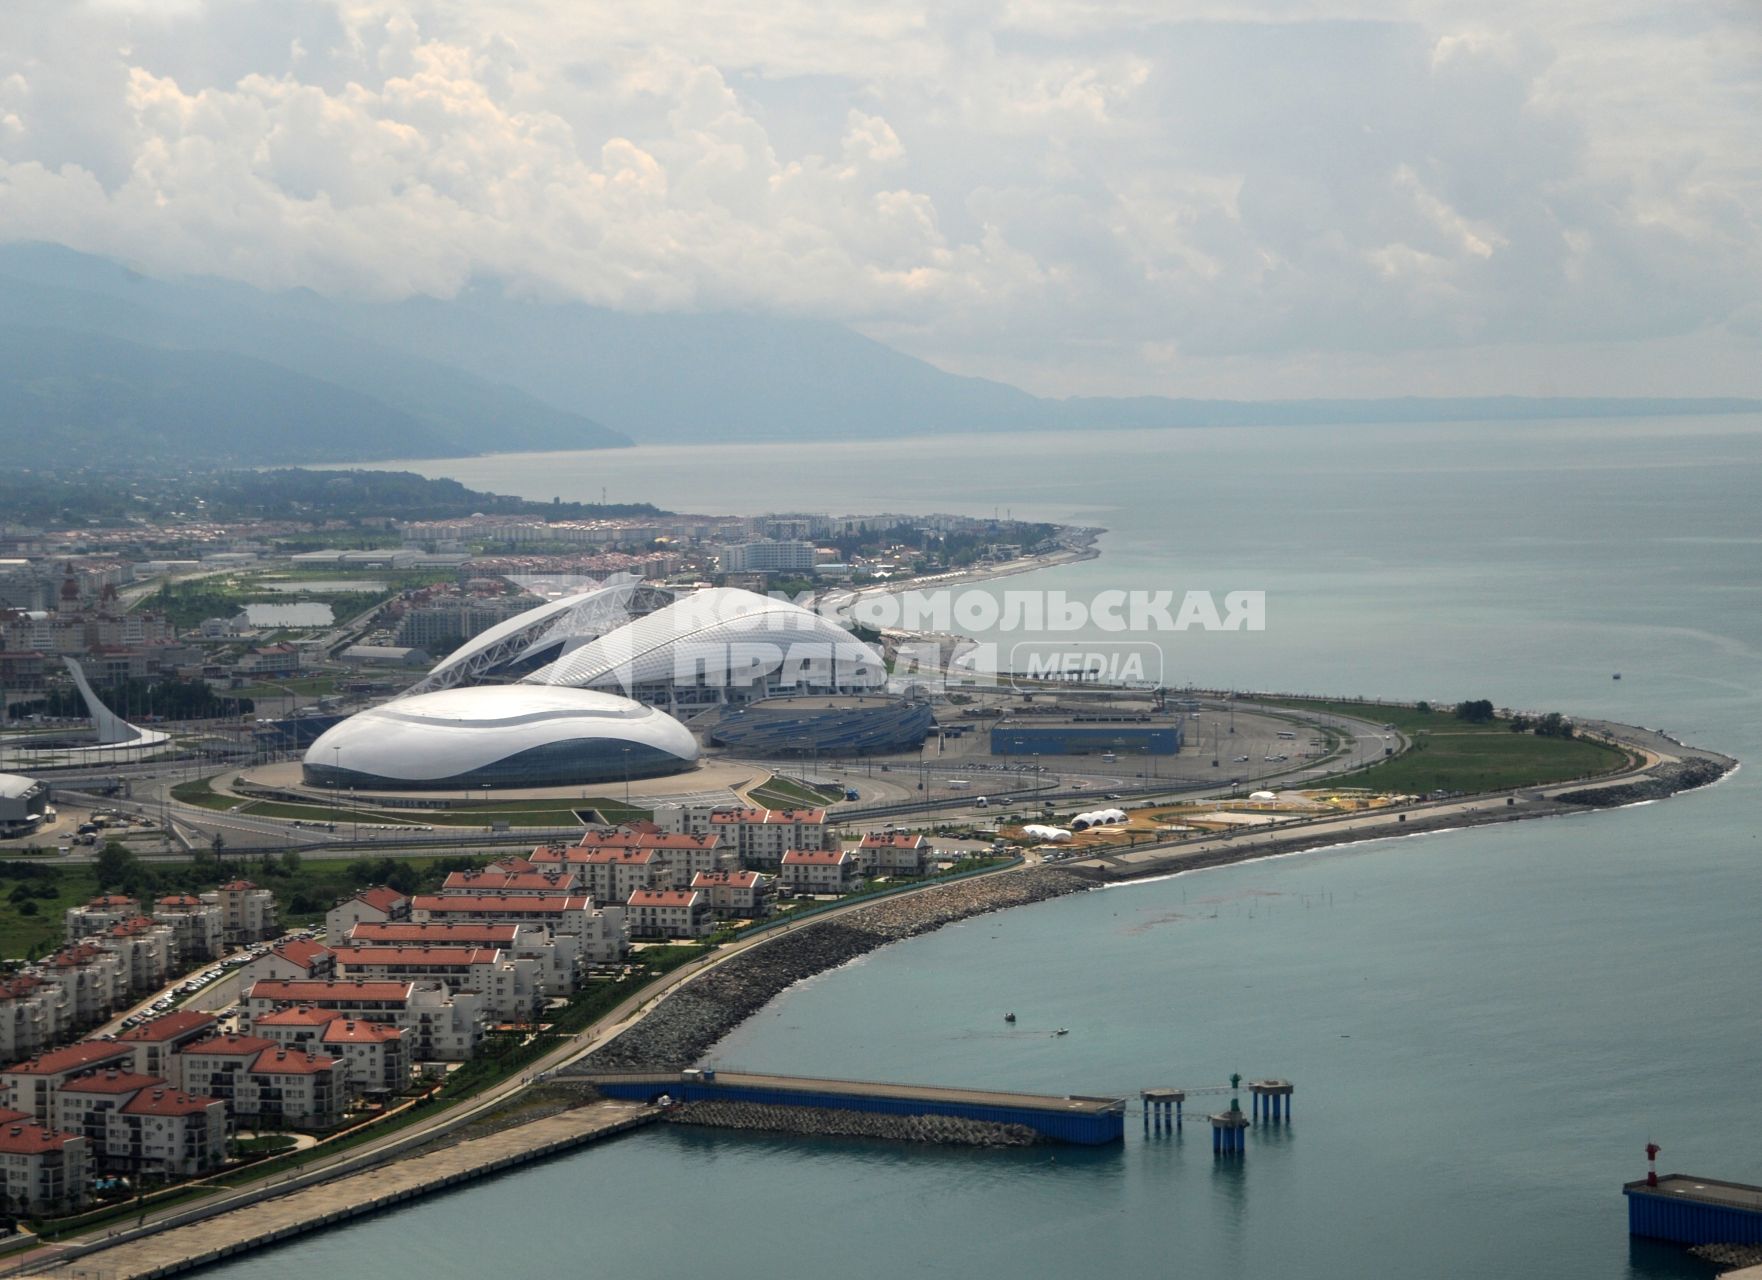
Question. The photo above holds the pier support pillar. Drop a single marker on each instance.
(1272, 1100)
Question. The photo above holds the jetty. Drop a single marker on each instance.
(274, 1215)
(1694, 1211)
(1073, 1118)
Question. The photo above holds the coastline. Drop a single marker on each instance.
(684, 1025)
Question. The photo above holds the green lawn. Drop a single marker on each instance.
(1484, 761)
(779, 792)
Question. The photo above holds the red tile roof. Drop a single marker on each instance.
(893, 840)
(350, 1031)
(664, 897)
(553, 881)
(301, 952)
(111, 1081)
(442, 932)
(283, 1061)
(300, 1015)
(588, 855)
(181, 900)
(382, 898)
(739, 879)
(760, 816)
(237, 886)
(170, 1026)
(814, 857)
(415, 955)
(308, 990)
(113, 901)
(648, 840)
(231, 1046)
(535, 904)
(28, 1138)
(86, 1055)
(166, 1101)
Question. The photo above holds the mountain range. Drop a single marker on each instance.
(97, 359)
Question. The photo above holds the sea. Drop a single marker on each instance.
(1484, 1027)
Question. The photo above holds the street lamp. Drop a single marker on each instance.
(626, 777)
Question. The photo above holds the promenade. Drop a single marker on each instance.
(268, 1220)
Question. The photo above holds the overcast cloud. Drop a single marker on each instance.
(1258, 199)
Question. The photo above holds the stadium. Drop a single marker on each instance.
(499, 736)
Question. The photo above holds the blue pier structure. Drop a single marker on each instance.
(1271, 1100)
(1691, 1210)
(1229, 1131)
(1077, 1119)
(1162, 1109)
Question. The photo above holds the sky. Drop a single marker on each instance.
(1257, 199)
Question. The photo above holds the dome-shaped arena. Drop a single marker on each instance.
(499, 736)
(722, 644)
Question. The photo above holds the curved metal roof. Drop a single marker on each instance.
(583, 615)
(454, 731)
(718, 629)
(14, 786)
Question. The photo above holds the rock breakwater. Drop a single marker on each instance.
(829, 1123)
(1663, 781)
(683, 1026)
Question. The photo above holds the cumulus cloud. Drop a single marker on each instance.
(1246, 199)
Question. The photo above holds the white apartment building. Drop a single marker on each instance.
(743, 895)
(44, 1170)
(893, 853)
(378, 905)
(818, 871)
(514, 989)
(98, 915)
(608, 875)
(760, 837)
(198, 928)
(296, 960)
(682, 854)
(601, 931)
(671, 913)
(33, 1016)
(267, 1085)
(559, 957)
(32, 1085)
(156, 1044)
(140, 1124)
(247, 912)
(545, 883)
(440, 1026)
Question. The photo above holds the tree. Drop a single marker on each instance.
(117, 867)
(1480, 711)
(290, 862)
(1424, 708)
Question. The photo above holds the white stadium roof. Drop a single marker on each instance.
(471, 733)
(15, 786)
(580, 616)
(721, 629)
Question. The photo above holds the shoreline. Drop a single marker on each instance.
(682, 1027)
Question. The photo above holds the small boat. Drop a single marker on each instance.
(1009, 1017)
(1062, 1031)
(1616, 676)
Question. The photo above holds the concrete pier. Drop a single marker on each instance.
(199, 1244)
(1271, 1100)
(1162, 1109)
(1229, 1131)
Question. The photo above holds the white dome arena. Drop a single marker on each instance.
(499, 736)
(724, 638)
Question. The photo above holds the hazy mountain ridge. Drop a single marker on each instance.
(489, 373)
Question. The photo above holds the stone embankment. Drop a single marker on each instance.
(829, 1123)
(684, 1025)
(1663, 781)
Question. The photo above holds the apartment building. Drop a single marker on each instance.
(378, 905)
(893, 853)
(45, 1170)
(156, 1044)
(818, 871)
(560, 957)
(31, 1086)
(671, 913)
(601, 931)
(141, 1124)
(198, 928)
(267, 1085)
(739, 895)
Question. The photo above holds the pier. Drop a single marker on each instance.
(1074, 1118)
(1690, 1210)
(278, 1216)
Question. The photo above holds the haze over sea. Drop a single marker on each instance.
(1484, 1026)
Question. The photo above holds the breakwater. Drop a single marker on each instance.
(683, 1026)
(1659, 783)
(828, 1122)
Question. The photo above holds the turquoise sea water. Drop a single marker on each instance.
(1484, 1026)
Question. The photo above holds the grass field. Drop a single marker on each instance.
(1453, 755)
(516, 813)
(779, 792)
